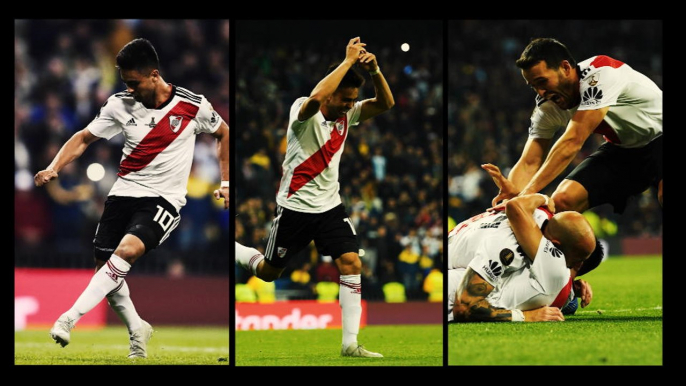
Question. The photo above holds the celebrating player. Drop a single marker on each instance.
(598, 95)
(519, 265)
(159, 122)
(309, 206)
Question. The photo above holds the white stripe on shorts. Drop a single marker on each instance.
(269, 251)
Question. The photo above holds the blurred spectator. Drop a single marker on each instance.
(64, 72)
(326, 271)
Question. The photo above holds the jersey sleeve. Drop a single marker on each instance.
(354, 114)
(546, 120)
(208, 120)
(488, 267)
(295, 110)
(104, 125)
(600, 88)
(549, 272)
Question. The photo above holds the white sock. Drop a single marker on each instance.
(350, 296)
(108, 277)
(248, 258)
(120, 301)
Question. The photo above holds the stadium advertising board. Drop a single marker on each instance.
(291, 315)
(42, 295)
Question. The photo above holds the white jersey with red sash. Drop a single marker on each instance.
(159, 143)
(311, 166)
(486, 244)
(635, 115)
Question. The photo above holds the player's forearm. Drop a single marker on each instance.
(561, 155)
(71, 150)
(522, 207)
(330, 83)
(223, 156)
(383, 98)
(482, 311)
(521, 173)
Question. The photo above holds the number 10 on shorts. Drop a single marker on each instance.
(351, 225)
(164, 218)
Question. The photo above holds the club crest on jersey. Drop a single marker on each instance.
(506, 256)
(281, 252)
(594, 79)
(175, 122)
(340, 126)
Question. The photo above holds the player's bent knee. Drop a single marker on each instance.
(570, 197)
(130, 248)
(269, 273)
(349, 264)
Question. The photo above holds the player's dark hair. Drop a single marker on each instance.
(594, 260)
(549, 50)
(139, 55)
(352, 78)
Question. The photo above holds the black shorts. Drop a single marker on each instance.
(332, 231)
(613, 174)
(151, 219)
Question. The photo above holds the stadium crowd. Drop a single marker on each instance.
(64, 72)
(391, 169)
(489, 105)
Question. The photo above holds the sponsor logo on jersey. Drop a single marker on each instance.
(175, 122)
(506, 256)
(592, 96)
(214, 118)
(281, 251)
(493, 269)
(131, 122)
(550, 248)
(152, 122)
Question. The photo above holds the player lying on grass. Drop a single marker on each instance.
(518, 261)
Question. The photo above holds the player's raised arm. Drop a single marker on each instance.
(329, 84)
(566, 148)
(533, 155)
(471, 305)
(519, 211)
(383, 98)
(222, 135)
(71, 150)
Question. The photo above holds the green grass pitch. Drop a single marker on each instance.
(406, 345)
(621, 326)
(110, 346)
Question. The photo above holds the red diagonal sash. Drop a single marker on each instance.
(317, 162)
(157, 139)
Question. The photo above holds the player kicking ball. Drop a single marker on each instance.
(159, 122)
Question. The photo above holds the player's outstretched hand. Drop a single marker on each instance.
(222, 193)
(44, 176)
(354, 50)
(367, 61)
(507, 188)
(544, 314)
(583, 291)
